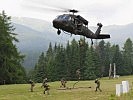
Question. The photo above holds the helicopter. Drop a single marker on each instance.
(77, 25)
(71, 23)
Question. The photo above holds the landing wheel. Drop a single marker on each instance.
(58, 32)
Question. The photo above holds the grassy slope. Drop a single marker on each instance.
(21, 91)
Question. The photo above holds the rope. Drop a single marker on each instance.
(75, 83)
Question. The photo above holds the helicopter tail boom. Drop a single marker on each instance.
(103, 36)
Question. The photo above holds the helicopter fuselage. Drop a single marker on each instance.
(75, 24)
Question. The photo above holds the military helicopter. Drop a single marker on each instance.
(76, 24)
(71, 23)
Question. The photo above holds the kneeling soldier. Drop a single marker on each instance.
(63, 83)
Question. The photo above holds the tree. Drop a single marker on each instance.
(117, 59)
(83, 47)
(11, 69)
(75, 60)
(91, 71)
(40, 68)
(127, 57)
(108, 58)
(101, 52)
(60, 63)
(93, 62)
(51, 67)
(68, 61)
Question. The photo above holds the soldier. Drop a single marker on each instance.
(63, 83)
(32, 85)
(78, 73)
(98, 85)
(44, 81)
(46, 86)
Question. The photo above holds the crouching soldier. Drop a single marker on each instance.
(32, 85)
(98, 85)
(63, 83)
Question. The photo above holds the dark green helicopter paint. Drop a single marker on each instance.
(76, 24)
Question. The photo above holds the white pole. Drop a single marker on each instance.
(114, 70)
(110, 70)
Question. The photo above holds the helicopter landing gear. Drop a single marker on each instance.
(58, 32)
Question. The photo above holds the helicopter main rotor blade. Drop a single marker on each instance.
(58, 4)
(40, 6)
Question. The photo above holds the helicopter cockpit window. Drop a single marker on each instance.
(60, 17)
(66, 17)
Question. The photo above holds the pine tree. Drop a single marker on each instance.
(68, 59)
(127, 57)
(11, 69)
(83, 47)
(90, 72)
(40, 68)
(117, 59)
(60, 64)
(75, 60)
(108, 58)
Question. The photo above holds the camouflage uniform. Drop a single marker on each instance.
(32, 85)
(44, 81)
(78, 73)
(98, 85)
(46, 86)
(63, 83)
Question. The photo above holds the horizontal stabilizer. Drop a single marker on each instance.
(103, 36)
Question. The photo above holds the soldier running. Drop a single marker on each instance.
(46, 88)
(44, 81)
(32, 85)
(98, 85)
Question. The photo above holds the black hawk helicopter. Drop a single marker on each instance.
(76, 24)
(71, 23)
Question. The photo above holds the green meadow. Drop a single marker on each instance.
(80, 92)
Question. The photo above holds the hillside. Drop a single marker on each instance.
(35, 35)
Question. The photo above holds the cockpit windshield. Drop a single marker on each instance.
(63, 17)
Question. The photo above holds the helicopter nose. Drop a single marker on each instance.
(56, 23)
(59, 23)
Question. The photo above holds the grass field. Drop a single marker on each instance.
(21, 91)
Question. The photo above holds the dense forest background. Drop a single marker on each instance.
(92, 60)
